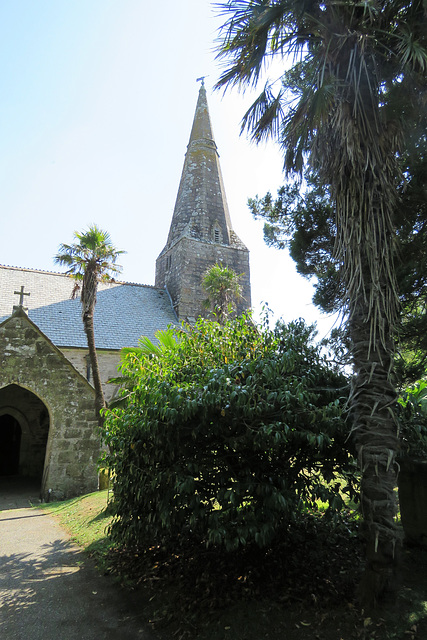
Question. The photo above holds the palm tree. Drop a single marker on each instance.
(91, 259)
(168, 341)
(338, 110)
(223, 289)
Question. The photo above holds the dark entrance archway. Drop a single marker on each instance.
(24, 429)
(10, 445)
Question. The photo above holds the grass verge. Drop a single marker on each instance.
(85, 518)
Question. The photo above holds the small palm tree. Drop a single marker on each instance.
(91, 259)
(223, 289)
(168, 341)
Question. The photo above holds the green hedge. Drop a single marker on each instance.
(226, 436)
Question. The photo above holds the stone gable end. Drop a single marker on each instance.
(54, 407)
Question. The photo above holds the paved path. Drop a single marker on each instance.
(49, 589)
(16, 493)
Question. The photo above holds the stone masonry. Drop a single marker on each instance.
(108, 362)
(54, 406)
(201, 233)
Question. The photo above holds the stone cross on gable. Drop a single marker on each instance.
(21, 295)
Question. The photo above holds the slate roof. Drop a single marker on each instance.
(123, 312)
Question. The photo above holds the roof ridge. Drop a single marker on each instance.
(53, 273)
(65, 275)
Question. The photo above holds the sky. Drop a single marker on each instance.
(97, 99)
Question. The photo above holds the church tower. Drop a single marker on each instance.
(200, 234)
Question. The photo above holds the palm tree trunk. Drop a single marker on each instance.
(375, 429)
(90, 335)
(366, 199)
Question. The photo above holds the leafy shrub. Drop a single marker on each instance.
(226, 437)
(412, 417)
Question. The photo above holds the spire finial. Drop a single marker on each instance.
(202, 80)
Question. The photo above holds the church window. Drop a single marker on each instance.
(168, 262)
(217, 235)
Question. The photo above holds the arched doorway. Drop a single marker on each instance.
(24, 429)
(10, 445)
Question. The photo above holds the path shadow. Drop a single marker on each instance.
(17, 492)
(57, 593)
(22, 573)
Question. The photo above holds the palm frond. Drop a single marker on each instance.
(166, 341)
(264, 116)
(91, 259)
(255, 30)
(412, 52)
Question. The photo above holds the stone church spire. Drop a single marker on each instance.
(201, 232)
(201, 206)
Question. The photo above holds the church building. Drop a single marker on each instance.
(48, 427)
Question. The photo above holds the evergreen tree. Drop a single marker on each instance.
(303, 221)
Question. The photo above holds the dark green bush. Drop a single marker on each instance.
(412, 420)
(226, 437)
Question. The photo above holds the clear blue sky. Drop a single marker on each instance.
(96, 105)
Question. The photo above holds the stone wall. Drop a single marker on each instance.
(108, 366)
(30, 365)
(183, 266)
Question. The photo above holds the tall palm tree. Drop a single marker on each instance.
(223, 288)
(91, 259)
(337, 109)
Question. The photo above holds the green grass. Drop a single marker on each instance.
(85, 518)
(271, 605)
